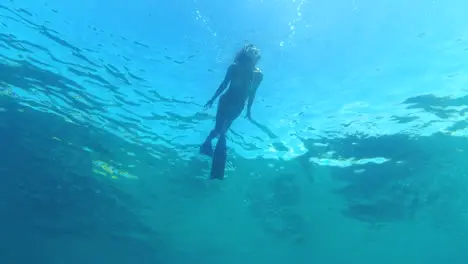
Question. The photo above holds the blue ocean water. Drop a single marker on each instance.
(356, 153)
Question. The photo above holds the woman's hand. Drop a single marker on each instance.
(248, 116)
(209, 104)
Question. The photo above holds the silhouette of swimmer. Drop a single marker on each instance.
(241, 81)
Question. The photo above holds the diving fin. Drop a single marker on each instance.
(219, 159)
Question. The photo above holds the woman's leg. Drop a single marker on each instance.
(220, 154)
(221, 120)
(219, 158)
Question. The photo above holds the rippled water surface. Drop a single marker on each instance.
(356, 153)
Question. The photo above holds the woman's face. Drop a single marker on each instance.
(253, 53)
(249, 57)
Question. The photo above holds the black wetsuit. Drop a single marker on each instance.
(232, 103)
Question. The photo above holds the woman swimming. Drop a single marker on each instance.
(241, 81)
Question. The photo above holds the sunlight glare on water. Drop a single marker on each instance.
(339, 68)
(328, 66)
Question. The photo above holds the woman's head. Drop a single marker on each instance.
(249, 55)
